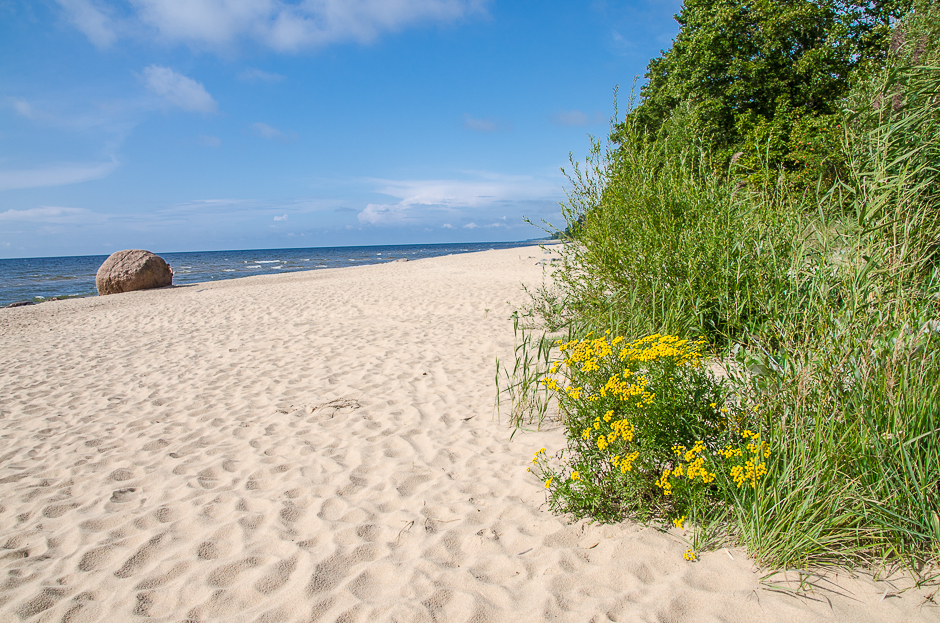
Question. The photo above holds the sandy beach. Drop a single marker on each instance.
(320, 446)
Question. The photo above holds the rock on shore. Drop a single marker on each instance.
(132, 269)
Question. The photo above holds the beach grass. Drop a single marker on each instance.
(519, 395)
(820, 302)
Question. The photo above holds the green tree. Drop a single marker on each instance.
(762, 71)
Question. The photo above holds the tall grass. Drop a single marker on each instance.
(519, 394)
(823, 303)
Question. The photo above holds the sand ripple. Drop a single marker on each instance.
(319, 447)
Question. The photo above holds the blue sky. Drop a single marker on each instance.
(185, 125)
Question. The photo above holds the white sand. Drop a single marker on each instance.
(320, 447)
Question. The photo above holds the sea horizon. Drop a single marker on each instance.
(42, 279)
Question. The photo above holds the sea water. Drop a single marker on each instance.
(45, 278)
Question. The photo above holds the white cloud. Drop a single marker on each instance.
(115, 118)
(212, 208)
(209, 141)
(486, 126)
(90, 21)
(280, 218)
(22, 107)
(484, 189)
(445, 199)
(384, 214)
(265, 131)
(57, 175)
(50, 214)
(577, 118)
(282, 25)
(257, 75)
(447, 226)
(480, 125)
(178, 90)
(270, 132)
(470, 226)
(209, 206)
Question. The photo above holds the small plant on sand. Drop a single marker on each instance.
(650, 433)
(528, 400)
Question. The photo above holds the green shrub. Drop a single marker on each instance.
(651, 433)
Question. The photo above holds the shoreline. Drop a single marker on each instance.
(319, 445)
(39, 280)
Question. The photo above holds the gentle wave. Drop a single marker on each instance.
(44, 279)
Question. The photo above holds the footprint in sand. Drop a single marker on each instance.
(277, 576)
(120, 496)
(96, 558)
(57, 510)
(120, 475)
(134, 564)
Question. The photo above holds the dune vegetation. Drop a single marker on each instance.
(742, 333)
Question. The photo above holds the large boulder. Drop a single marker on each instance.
(133, 269)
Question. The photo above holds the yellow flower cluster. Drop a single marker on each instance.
(621, 428)
(754, 447)
(538, 455)
(749, 473)
(658, 346)
(694, 466)
(754, 468)
(697, 469)
(625, 463)
(663, 482)
(624, 429)
(620, 387)
(587, 352)
(689, 455)
(590, 351)
(689, 555)
(678, 522)
(628, 369)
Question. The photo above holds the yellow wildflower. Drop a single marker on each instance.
(626, 464)
(664, 484)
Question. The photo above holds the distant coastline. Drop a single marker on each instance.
(51, 278)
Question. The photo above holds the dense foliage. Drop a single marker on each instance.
(816, 296)
(763, 73)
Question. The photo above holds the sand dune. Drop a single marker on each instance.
(320, 447)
